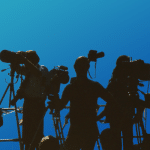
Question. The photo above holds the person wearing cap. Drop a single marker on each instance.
(82, 94)
(33, 90)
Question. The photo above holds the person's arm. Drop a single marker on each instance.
(57, 103)
(105, 94)
(65, 98)
(33, 69)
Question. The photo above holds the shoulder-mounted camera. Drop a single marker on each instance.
(57, 76)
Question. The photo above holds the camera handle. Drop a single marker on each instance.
(12, 93)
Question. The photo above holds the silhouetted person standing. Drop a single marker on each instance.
(82, 94)
(33, 90)
(123, 86)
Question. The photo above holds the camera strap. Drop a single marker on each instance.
(95, 72)
(95, 69)
(90, 74)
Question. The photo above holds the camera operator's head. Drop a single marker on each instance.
(32, 56)
(81, 66)
(122, 58)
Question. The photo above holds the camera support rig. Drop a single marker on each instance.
(56, 121)
(58, 75)
(12, 94)
(58, 127)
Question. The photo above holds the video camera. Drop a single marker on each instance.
(93, 55)
(10, 57)
(137, 69)
(19, 57)
(57, 76)
(128, 74)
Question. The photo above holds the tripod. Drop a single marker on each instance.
(58, 127)
(57, 122)
(56, 114)
(12, 94)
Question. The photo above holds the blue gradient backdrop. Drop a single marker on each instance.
(62, 30)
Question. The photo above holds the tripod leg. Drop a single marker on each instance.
(17, 119)
(16, 113)
(61, 130)
(18, 128)
(4, 93)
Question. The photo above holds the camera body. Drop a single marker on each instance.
(134, 68)
(127, 75)
(57, 76)
(10, 57)
(137, 69)
(18, 57)
(93, 55)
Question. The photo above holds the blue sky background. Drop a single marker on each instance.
(62, 30)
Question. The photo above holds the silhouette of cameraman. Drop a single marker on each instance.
(82, 94)
(33, 90)
(124, 87)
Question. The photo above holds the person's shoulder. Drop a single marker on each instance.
(95, 84)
